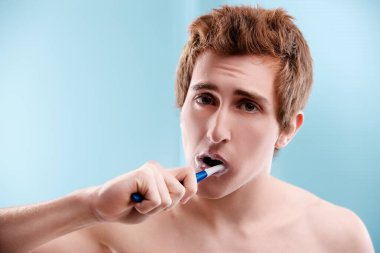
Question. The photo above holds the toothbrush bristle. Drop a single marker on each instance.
(214, 169)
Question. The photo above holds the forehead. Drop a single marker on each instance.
(251, 73)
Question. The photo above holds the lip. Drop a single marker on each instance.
(201, 166)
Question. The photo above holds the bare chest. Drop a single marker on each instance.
(195, 239)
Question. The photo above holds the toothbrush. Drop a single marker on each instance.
(208, 172)
(137, 197)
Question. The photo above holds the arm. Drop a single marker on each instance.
(24, 228)
(37, 224)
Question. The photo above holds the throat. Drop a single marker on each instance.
(251, 202)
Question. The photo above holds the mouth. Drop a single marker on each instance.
(208, 160)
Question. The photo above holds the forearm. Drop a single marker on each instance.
(25, 228)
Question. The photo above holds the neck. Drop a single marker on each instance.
(251, 203)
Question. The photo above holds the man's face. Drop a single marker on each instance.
(229, 116)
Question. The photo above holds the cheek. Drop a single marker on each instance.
(255, 141)
(191, 129)
(192, 122)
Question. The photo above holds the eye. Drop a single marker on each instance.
(249, 107)
(205, 99)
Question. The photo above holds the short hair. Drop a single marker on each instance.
(247, 30)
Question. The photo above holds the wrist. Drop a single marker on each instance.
(87, 199)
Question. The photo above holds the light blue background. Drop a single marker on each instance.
(87, 93)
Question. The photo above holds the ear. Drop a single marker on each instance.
(286, 136)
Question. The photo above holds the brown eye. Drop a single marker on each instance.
(204, 99)
(249, 107)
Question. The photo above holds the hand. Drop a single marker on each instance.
(161, 189)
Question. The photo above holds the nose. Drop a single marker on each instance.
(219, 127)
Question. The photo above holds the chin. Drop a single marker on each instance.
(212, 189)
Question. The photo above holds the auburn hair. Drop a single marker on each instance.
(246, 30)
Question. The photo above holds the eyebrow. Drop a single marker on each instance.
(239, 92)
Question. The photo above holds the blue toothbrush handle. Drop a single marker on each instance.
(201, 175)
(138, 197)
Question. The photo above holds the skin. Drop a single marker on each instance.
(243, 210)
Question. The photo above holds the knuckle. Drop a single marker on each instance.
(149, 169)
(142, 210)
(178, 194)
(191, 191)
(153, 164)
(189, 170)
(181, 192)
(156, 202)
(166, 203)
(144, 172)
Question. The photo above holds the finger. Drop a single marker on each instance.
(146, 185)
(187, 176)
(176, 190)
(163, 190)
(150, 186)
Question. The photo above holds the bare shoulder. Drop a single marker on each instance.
(337, 228)
(330, 228)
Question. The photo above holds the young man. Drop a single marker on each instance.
(242, 82)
